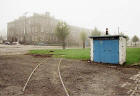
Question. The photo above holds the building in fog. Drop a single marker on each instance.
(1, 39)
(40, 28)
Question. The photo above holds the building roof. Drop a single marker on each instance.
(107, 37)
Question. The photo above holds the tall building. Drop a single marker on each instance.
(40, 28)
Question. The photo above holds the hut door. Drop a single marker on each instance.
(106, 51)
(110, 51)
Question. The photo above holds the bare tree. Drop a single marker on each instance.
(83, 36)
(127, 38)
(135, 39)
(95, 32)
(62, 31)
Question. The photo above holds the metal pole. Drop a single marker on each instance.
(25, 26)
(25, 29)
(118, 30)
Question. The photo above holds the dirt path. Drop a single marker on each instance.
(22, 49)
(80, 77)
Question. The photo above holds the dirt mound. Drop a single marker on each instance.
(42, 55)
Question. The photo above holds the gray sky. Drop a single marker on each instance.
(83, 13)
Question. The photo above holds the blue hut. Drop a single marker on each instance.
(108, 49)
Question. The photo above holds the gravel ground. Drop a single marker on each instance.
(90, 79)
(80, 77)
(22, 49)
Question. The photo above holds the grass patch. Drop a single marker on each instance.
(83, 54)
(133, 54)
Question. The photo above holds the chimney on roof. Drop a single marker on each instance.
(106, 31)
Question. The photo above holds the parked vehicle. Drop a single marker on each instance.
(42, 44)
(7, 43)
(15, 43)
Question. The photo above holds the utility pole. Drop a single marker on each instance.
(24, 37)
(25, 34)
(118, 30)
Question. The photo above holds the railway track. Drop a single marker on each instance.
(58, 70)
(66, 91)
(32, 74)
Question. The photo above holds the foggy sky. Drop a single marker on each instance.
(84, 13)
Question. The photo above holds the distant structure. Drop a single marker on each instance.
(40, 28)
(1, 39)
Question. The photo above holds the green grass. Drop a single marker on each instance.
(67, 53)
(133, 54)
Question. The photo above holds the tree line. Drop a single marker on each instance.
(62, 31)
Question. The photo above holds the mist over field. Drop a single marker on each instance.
(83, 13)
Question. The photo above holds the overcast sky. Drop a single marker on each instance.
(84, 13)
